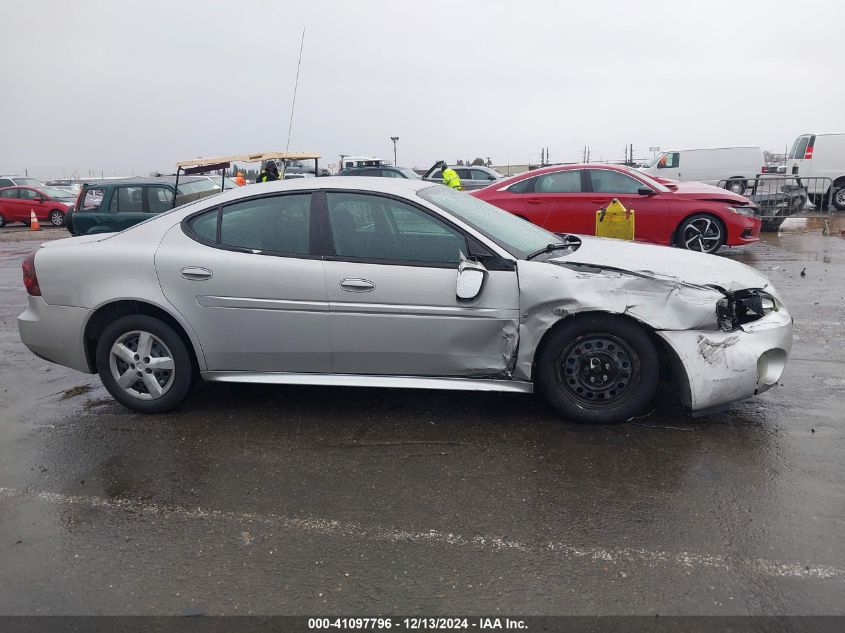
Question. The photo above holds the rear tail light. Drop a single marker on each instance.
(30, 279)
(808, 153)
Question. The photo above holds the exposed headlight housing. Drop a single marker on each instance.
(746, 211)
(744, 306)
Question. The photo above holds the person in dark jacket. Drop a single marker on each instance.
(269, 173)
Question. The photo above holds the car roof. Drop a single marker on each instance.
(143, 180)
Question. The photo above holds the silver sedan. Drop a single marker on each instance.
(378, 282)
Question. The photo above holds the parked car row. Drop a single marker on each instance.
(50, 204)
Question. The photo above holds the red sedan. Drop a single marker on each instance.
(565, 198)
(49, 203)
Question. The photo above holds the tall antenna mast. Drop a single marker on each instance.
(295, 85)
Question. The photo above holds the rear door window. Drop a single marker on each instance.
(559, 182)
(9, 193)
(127, 200)
(278, 224)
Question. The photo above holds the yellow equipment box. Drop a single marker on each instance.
(615, 221)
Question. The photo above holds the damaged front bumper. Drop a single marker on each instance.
(725, 366)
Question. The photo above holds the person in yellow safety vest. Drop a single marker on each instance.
(450, 177)
(269, 174)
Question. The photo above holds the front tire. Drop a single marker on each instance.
(144, 364)
(57, 218)
(701, 232)
(598, 369)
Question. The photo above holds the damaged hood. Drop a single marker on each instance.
(702, 191)
(664, 262)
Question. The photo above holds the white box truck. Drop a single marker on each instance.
(816, 157)
(733, 165)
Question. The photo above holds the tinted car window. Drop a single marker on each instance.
(523, 186)
(608, 181)
(5, 182)
(9, 193)
(159, 199)
(279, 224)
(437, 173)
(27, 194)
(127, 200)
(559, 182)
(373, 227)
(464, 174)
(205, 225)
(478, 174)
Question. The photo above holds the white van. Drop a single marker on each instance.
(735, 165)
(820, 156)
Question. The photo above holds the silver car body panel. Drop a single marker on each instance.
(360, 380)
(249, 322)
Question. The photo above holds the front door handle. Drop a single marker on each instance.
(534, 201)
(196, 273)
(598, 200)
(357, 285)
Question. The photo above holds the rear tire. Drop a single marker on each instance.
(839, 198)
(701, 232)
(144, 364)
(598, 369)
(57, 217)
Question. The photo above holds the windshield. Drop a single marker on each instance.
(199, 186)
(28, 182)
(651, 182)
(56, 192)
(409, 173)
(517, 236)
(654, 160)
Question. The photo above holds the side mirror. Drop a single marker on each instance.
(646, 191)
(471, 277)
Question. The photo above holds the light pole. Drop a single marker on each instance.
(395, 139)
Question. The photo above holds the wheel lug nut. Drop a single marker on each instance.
(604, 377)
(132, 365)
(149, 371)
(137, 357)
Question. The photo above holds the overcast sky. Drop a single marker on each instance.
(128, 86)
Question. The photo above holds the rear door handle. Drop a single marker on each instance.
(534, 201)
(196, 273)
(357, 285)
(599, 200)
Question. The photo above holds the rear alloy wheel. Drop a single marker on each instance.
(598, 369)
(57, 218)
(144, 364)
(701, 232)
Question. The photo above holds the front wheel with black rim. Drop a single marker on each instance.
(57, 218)
(598, 369)
(701, 232)
(144, 364)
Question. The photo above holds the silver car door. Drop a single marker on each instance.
(244, 279)
(391, 282)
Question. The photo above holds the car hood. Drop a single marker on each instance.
(664, 263)
(702, 191)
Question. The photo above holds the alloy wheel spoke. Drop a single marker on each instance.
(145, 344)
(123, 353)
(127, 379)
(152, 385)
(160, 363)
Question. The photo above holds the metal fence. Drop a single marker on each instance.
(779, 196)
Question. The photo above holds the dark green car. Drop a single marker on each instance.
(115, 205)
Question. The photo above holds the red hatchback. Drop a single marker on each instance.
(49, 203)
(565, 198)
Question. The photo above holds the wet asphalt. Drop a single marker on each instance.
(294, 500)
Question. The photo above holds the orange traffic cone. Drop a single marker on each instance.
(33, 222)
